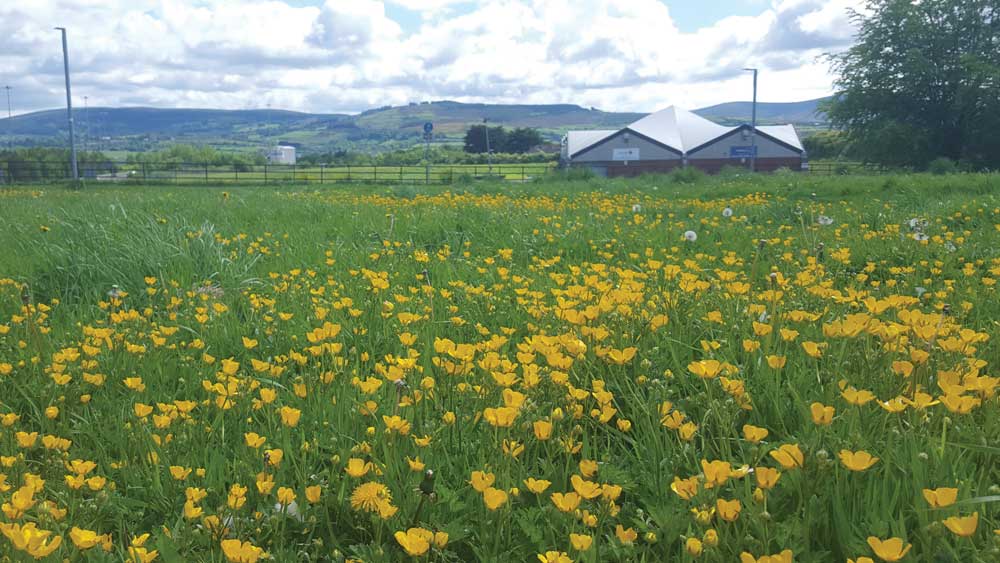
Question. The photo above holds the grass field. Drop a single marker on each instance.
(759, 369)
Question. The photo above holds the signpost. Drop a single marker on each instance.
(428, 134)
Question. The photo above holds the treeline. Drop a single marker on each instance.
(415, 156)
(47, 163)
(500, 140)
(196, 154)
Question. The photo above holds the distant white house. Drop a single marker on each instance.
(281, 154)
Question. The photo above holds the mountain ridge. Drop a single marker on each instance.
(383, 128)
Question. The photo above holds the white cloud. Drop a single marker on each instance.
(348, 55)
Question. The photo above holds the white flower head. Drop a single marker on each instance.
(921, 237)
(727, 212)
(636, 208)
(292, 510)
(824, 220)
(921, 291)
(690, 236)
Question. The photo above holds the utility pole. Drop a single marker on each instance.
(86, 125)
(489, 153)
(753, 124)
(10, 124)
(69, 106)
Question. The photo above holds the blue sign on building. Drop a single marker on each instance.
(742, 152)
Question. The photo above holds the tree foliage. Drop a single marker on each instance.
(515, 141)
(828, 145)
(197, 154)
(922, 81)
(47, 163)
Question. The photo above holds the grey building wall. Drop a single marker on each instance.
(604, 151)
(766, 148)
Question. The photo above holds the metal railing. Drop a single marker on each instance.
(24, 172)
(843, 168)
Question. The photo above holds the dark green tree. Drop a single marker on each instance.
(475, 139)
(522, 140)
(922, 82)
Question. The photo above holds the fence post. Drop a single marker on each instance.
(236, 171)
(375, 174)
(265, 173)
(400, 174)
(321, 168)
(523, 177)
(206, 172)
(348, 173)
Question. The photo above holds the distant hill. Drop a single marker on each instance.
(129, 129)
(797, 113)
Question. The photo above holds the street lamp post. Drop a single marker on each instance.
(69, 106)
(86, 126)
(10, 124)
(753, 123)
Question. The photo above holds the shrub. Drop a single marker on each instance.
(689, 175)
(580, 173)
(941, 166)
(730, 171)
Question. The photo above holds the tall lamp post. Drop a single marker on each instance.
(753, 123)
(10, 124)
(69, 106)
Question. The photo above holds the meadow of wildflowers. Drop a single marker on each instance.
(758, 371)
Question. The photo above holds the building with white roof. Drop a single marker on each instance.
(674, 138)
(281, 154)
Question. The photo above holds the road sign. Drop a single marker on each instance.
(428, 127)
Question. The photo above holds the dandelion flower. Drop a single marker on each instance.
(370, 497)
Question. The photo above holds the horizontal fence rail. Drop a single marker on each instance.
(844, 168)
(26, 172)
(22, 172)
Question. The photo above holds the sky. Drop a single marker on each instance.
(346, 56)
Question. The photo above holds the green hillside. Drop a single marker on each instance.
(798, 113)
(386, 128)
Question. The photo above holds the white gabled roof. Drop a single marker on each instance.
(678, 129)
(576, 141)
(784, 133)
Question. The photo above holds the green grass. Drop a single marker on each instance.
(548, 281)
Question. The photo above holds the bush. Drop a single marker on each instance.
(730, 171)
(941, 166)
(689, 175)
(580, 173)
